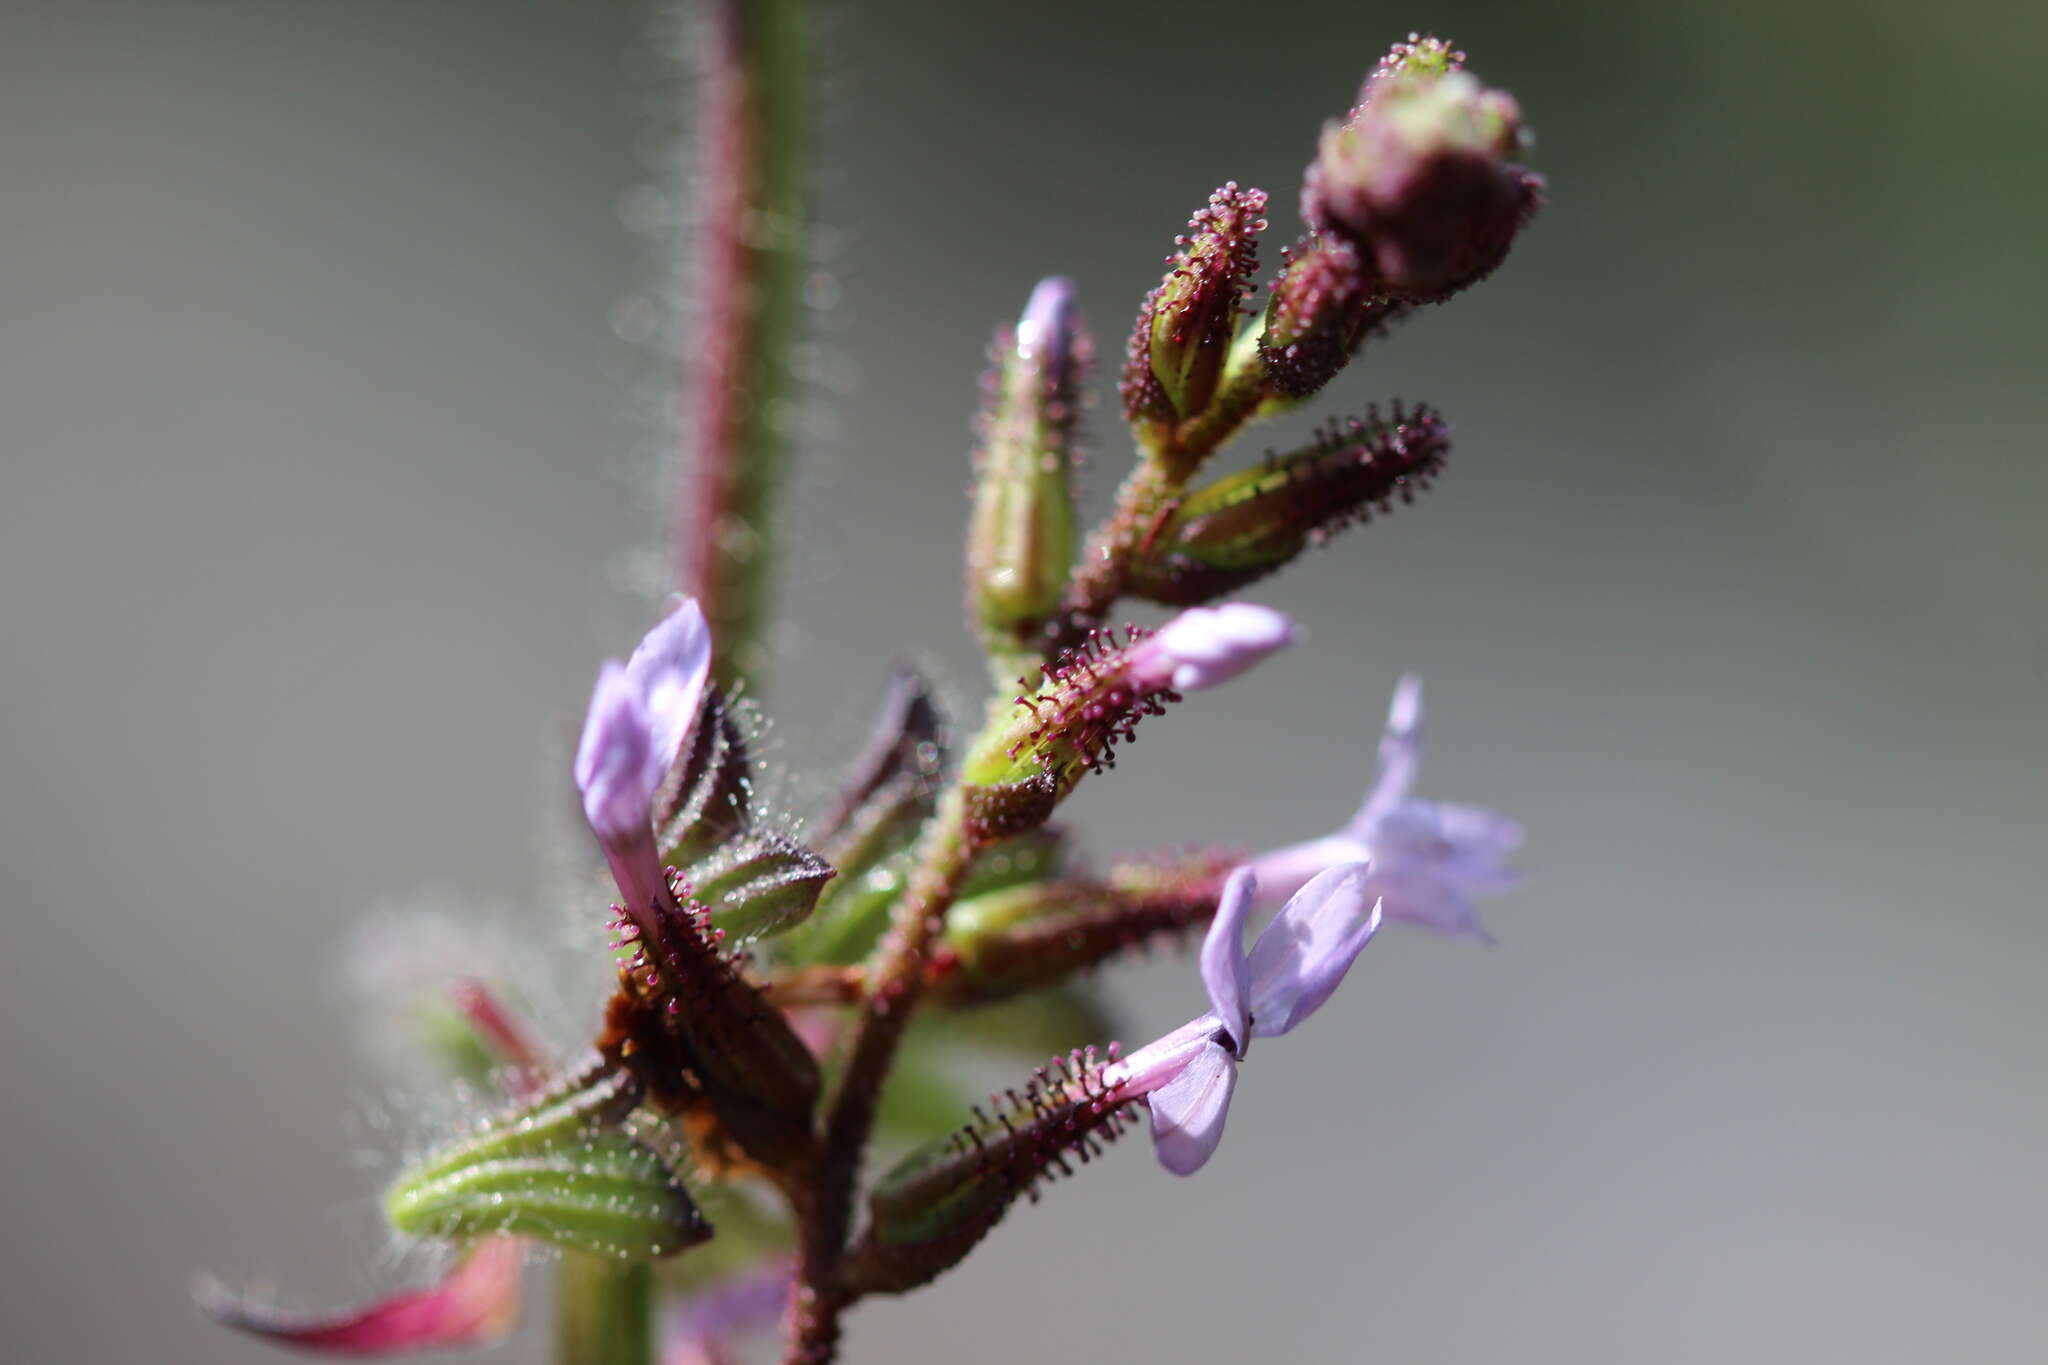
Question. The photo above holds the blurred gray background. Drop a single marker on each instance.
(329, 471)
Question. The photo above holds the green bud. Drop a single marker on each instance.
(1029, 937)
(1020, 542)
(1186, 326)
(930, 1210)
(1243, 527)
(564, 1169)
(758, 884)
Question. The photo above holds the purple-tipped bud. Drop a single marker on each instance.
(1208, 646)
(1185, 327)
(1243, 527)
(639, 713)
(1092, 699)
(1020, 541)
(1420, 177)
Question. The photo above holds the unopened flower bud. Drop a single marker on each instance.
(1034, 935)
(928, 1212)
(1243, 527)
(1420, 177)
(758, 884)
(1020, 542)
(564, 1169)
(1185, 328)
(1318, 309)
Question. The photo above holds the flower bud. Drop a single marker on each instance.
(1243, 527)
(1092, 699)
(1020, 542)
(928, 1212)
(1035, 935)
(564, 1169)
(758, 884)
(1419, 177)
(1185, 328)
(1317, 310)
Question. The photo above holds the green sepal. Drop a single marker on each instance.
(751, 1229)
(566, 1168)
(1238, 529)
(707, 798)
(854, 914)
(1003, 810)
(758, 884)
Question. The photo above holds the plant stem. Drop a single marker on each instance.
(1104, 569)
(752, 131)
(1165, 464)
(604, 1311)
(894, 981)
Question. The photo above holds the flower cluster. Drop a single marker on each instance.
(785, 995)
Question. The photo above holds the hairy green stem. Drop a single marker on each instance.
(753, 129)
(604, 1311)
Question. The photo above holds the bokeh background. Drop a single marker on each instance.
(329, 469)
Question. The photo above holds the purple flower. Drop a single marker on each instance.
(1207, 646)
(1430, 860)
(1186, 1078)
(639, 714)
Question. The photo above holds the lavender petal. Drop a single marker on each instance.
(1305, 952)
(1188, 1111)
(1223, 959)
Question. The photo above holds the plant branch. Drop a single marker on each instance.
(894, 981)
(752, 130)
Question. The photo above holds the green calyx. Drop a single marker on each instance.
(568, 1168)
